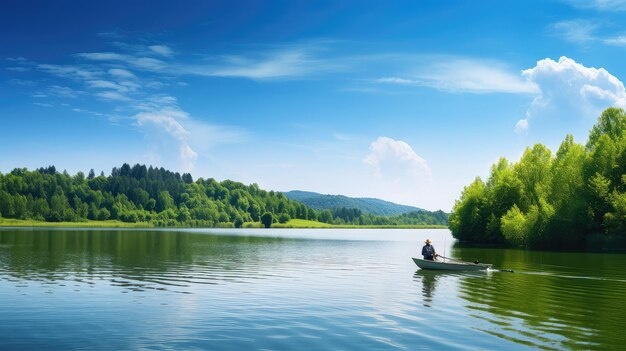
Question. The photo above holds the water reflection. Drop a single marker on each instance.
(428, 280)
(135, 260)
(240, 291)
(553, 301)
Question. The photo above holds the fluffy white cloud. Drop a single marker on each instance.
(167, 119)
(191, 135)
(569, 88)
(395, 158)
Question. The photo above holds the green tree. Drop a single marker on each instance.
(164, 201)
(266, 219)
(283, 218)
(468, 220)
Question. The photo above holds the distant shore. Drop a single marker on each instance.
(292, 224)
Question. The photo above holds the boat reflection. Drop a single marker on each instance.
(429, 279)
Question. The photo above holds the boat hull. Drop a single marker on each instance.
(450, 266)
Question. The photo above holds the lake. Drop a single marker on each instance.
(284, 289)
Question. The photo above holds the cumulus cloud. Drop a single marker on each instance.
(191, 135)
(465, 75)
(395, 159)
(568, 87)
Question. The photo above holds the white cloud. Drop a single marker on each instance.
(23, 82)
(395, 159)
(571, 89)
(396, 80)
(18, 69)
(616, 41)
(465, 75)
(124, 81)
(144, 63)
(121, 73)
(291, 62)
(70, 71)
(112, 95)
(582, 31)
(104, 84)
(161, 50)
(61, 91)
(191, 135)
(576, 31)
(167, 120)
(600, 5)
(521, 126)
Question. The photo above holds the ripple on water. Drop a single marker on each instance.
(192, 290)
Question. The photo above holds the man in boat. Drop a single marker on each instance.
(428, 251)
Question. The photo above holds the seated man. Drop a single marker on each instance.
(428, 251)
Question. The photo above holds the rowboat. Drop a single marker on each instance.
(450, 266)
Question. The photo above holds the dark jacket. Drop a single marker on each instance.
(428, 251)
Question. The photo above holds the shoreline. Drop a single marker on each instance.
(9, 222)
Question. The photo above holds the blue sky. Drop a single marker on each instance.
(406, 101)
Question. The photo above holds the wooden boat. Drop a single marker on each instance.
(450, 266)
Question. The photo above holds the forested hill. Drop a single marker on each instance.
(574, 199)
(158, 197)
(367, 205)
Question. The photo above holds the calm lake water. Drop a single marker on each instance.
(301, 289)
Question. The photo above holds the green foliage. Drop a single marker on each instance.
(283, 218)
(138, 194)
(468, 221)
(545, 201)
(158, 197)
(267, 218)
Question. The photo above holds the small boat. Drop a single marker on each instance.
(450, 266)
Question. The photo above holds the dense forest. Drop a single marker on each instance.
(158, 197)
(569, 200)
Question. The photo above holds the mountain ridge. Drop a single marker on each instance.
(374, 206)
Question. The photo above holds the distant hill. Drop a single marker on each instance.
(367, 205)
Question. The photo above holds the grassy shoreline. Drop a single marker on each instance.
(292, 224)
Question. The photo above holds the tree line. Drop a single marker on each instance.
(567, 200)
(159, 197)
